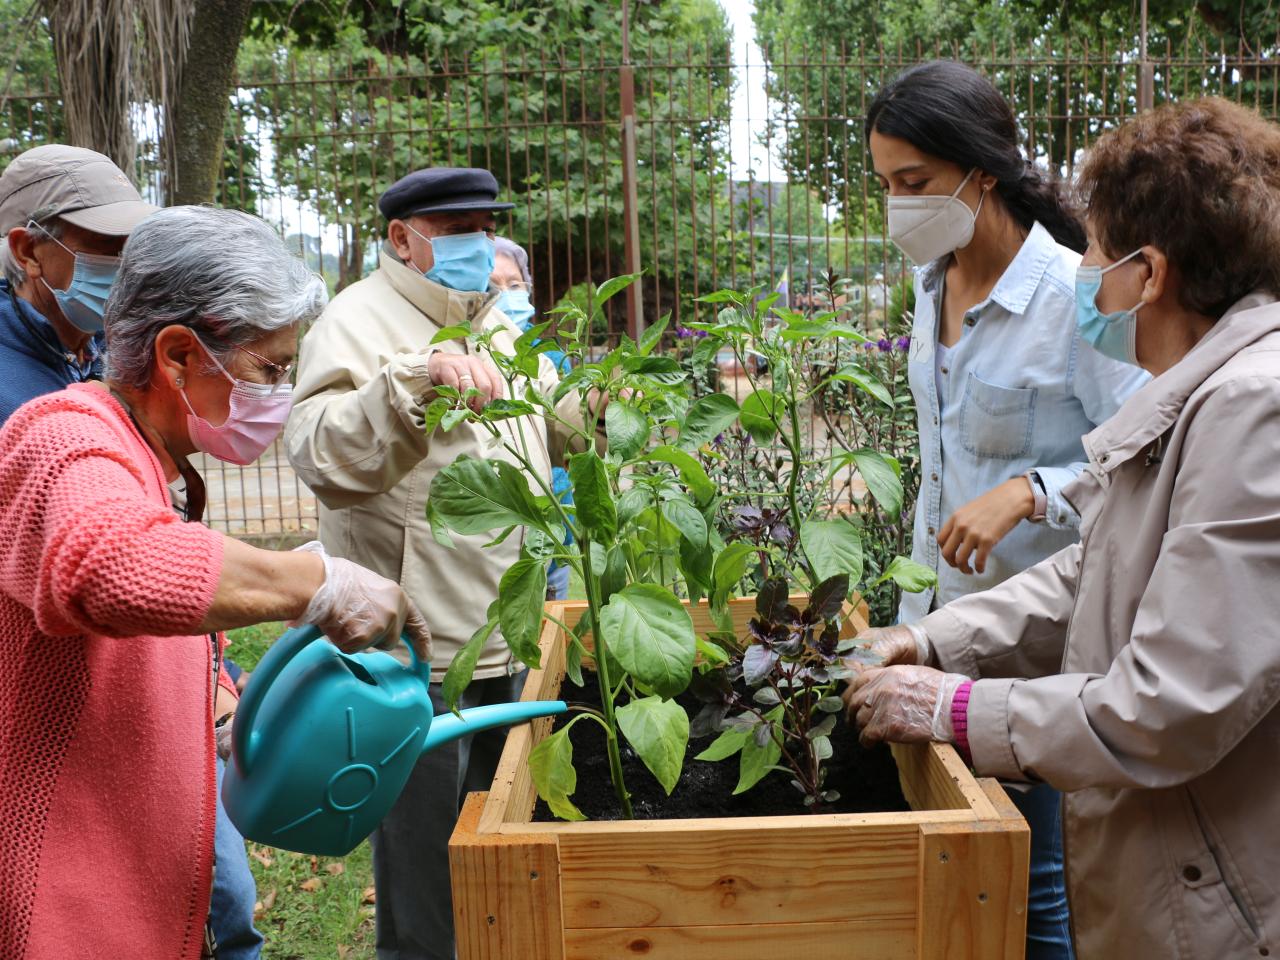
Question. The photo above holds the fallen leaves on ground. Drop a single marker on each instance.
(370, 895)
(336, 869)
(312, 885)
(263, 858)
(261, 908)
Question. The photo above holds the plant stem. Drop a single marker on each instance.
(606, 687)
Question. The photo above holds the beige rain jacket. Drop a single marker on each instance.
(356, 437)
(1155, 644)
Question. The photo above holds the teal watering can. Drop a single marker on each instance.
(325, 741)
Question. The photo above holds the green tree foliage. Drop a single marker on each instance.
(1069, 68)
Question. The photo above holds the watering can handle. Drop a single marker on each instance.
(244, 738)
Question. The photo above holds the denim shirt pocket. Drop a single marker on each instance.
(996, 421)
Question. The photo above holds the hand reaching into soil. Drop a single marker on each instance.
(903, 704)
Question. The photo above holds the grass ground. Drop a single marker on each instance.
(309, 908)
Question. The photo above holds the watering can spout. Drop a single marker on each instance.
(449, 726)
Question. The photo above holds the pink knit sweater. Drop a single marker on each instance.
(106, 699)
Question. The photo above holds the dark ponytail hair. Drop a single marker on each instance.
(951, 111)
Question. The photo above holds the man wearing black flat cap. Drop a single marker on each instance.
(366, 372)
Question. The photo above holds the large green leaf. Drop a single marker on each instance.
(864, 381)
(760, 412)
(652, 335)
(592, 498)
(627, 429)
(476, 496)
(521, 593)
(632, 502)
(691, 471)
(727, 744)
(833, 547)
(613, 286)
(651, 635)
(880, 475)
(707, 418)
(909, 575)
(731, 566)
(686, 518)
(463, 665)
(756, 761)
(659, 731)
(551, 767)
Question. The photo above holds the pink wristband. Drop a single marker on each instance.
(960, 719)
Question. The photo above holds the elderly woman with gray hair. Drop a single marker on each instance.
(111, 606)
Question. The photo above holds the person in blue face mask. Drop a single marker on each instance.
(65, 213)
(512, 281)
(1004, 381)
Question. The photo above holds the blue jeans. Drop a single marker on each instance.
(1048, 930)
(557, 582)
(234, 892)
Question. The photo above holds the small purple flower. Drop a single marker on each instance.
(884, 345)
(903, 344)
(718, 442)
(684, 333)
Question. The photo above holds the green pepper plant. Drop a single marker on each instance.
(644, 538)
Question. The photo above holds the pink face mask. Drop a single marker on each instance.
(256, 416)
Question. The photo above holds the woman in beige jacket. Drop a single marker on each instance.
(1139, 670)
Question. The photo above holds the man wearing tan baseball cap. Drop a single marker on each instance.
(65, 213)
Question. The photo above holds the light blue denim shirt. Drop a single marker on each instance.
(1020, 388)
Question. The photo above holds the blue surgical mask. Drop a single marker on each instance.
(85, 299)
(463, 261)
(515, 304)
(1113, 335)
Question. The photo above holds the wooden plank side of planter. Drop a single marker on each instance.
(724, 874)
(973, 885)
(512, 796)
(506, 892)
(933, 777)
(892, 938)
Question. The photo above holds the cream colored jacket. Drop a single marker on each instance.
(1152, 649)
(356, 437)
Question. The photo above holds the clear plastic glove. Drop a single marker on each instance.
(357, 608)
(903, 704)
(887, 646)
(222, 739)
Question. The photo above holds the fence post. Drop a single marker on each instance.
(1146, 73)
(630, 201)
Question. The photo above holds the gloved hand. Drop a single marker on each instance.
(903, 704)
(222, 739)
(356, 608)
(886, 646)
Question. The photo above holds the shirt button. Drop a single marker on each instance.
(935, 421)
(931, 533)
(1062, 518)
(933, 477)
(945, 370)
(1191, 873)
(969, 321)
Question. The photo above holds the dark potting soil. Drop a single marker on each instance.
(867, 778)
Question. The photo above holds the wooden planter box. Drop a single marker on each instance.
(947, 880)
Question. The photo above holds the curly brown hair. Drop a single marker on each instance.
(1200, 181)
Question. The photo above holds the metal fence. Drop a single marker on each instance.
(312, 140)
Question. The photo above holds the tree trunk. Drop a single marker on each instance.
(200, 114)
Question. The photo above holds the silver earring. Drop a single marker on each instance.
(180, 382)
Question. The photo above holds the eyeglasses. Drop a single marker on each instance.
(276, 374)
(514, 286)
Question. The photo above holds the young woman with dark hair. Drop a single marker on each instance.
(1004, 385)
